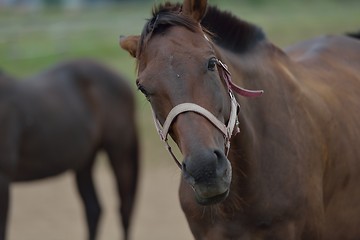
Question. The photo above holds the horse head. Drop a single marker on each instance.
(189, 89)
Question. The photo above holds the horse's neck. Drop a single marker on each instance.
(264, 118)
(265, 68)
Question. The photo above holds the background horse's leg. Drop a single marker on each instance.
(4, 204)
(125, 164)
(86, 188)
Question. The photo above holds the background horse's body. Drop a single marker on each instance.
(60, 120)
(295, 164)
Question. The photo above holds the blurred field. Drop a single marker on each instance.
(32, 41)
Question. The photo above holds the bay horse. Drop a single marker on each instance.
(58, 121)
(293, 171)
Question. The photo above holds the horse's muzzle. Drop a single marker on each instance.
(209, 174)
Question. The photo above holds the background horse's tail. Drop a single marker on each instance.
(354, 34)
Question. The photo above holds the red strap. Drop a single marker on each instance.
(232, 86)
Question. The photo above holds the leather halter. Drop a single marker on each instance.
(232, 128)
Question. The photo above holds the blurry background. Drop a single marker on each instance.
(35, 34)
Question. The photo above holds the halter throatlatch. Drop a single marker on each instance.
(232, 128)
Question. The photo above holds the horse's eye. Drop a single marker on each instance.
(212, 64)
(142, 90)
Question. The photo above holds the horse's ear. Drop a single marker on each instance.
(195, 9)
(129, 44)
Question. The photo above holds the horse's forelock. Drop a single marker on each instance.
(164, 16)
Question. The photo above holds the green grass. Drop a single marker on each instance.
(33, 41)
(30, 41)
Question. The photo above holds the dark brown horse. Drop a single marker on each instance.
(293, 172)
(58, 121)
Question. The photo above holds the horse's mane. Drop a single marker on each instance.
(227, 30)
(231, 32)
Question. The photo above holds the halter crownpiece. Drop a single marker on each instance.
(232, 128)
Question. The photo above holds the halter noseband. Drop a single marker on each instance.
(232, 128)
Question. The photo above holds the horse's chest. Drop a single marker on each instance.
(240, 219)
(242, 227)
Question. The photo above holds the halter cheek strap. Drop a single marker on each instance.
(227, 130)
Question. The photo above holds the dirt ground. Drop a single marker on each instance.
(51, 210)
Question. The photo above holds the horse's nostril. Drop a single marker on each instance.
(219, 155)
(190, 179)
